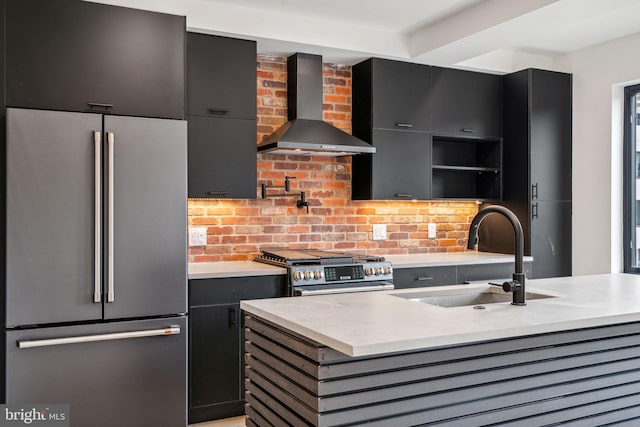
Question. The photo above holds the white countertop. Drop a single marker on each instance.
(212, 270)
(451, 258)
(371, 323)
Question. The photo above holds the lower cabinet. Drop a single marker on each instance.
(216, 342)
(478, 272)
(423, 276)
(417, 277)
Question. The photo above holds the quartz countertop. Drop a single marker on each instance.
(453, 258)
(216, 270)
(211, 270)
(362, 324)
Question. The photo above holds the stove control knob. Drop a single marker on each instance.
(379, 271)
(387, 270)
(308, 275)
(297, 275)
(368, 271)
(318, 274)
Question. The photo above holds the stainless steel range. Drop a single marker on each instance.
(315, 272)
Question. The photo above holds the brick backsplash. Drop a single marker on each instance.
(237, 229)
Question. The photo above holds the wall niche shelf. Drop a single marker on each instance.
(466, 168)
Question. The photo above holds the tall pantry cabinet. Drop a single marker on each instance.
(537, 170)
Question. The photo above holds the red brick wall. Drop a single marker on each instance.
(237, 229)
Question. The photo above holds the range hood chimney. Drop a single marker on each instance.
(306, 134)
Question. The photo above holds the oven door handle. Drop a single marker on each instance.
(378, 287)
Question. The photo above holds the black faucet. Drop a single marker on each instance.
(516, 286)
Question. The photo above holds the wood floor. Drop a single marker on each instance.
(227, 422)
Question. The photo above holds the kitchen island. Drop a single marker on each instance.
(417, 356)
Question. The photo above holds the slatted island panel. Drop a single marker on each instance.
(580, 377)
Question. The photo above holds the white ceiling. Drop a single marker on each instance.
(494, 35)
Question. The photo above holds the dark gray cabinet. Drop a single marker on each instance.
(221, 77)
(424, 276)
(417, 277)
(80, 56)
(390, 95)
(480, 272)
(391, 112)
(454, 117)
(466, 123)
(551, 238)
(222, 157)
(221, 106)
(216, 342)
(398, 171)
(465, 103)
(536, 170)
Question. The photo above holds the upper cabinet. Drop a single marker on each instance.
(391, 112)
(465, 103)
(221, 100)
(81, 56)
(442, 137)
(399, 169)
(221, 77)
(390, 95)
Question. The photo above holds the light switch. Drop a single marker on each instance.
(431, 230)
(198, 236)
(379, 231)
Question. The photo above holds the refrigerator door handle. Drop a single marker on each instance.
(170, 330)
(110, 290)
(97, 292)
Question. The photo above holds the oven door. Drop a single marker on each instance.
(341, 288)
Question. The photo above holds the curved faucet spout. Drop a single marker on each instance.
(518, 275)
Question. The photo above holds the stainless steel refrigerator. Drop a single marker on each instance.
(95, 285)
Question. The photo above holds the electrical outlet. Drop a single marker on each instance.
(379, 232)
(197, 237)
(431, 230)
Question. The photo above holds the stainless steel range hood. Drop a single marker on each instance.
(306, 134)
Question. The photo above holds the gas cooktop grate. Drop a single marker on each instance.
(291, 257)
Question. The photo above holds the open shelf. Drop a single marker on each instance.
(466, 168)
(466, 184)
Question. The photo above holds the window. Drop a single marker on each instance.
(631, 183)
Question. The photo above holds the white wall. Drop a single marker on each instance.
(599, 74)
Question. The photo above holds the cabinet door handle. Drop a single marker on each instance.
(99, 105)
(233, 317)
(404, 195)
(215, 110)
(534, 191)
(534, 211)
(468, 130)
(404, 125)
(423, 278)
(218, 193)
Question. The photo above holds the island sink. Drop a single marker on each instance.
(490, 295)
